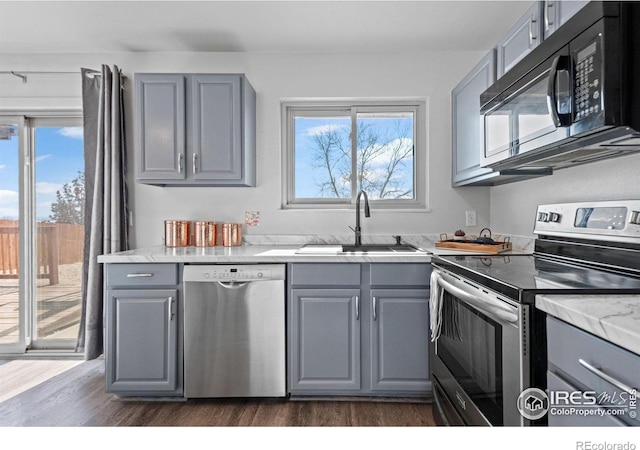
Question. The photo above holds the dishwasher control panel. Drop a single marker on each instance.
(234, 272)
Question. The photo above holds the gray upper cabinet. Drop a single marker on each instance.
(195, 129)
(468, 132)
(556, 13)
(160, 135)
(521, 39)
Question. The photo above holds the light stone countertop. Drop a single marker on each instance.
(250, 254)
(615, 318)
(283, 248)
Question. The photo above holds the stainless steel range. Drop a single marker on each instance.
(488, 340)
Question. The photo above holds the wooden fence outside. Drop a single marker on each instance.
(57, 243)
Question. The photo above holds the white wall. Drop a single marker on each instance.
(513, 206)
(275, 77)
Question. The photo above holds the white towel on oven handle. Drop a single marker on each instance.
(435, 305)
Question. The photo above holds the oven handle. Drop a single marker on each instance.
(479, 300)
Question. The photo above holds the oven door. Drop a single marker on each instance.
(477, 367)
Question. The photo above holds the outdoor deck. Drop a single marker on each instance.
(58, 309)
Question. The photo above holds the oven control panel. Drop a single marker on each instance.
(606, 220)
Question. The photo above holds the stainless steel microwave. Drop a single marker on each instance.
(574, 99)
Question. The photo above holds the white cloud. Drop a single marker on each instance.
(2, 166)
(9, 213)
(7, 196)
(72, 132)
(321, 129)
(44, 188)
(43, 157)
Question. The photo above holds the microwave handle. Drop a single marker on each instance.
(560, 62)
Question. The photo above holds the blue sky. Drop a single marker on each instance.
(307, 178)
(59, 158)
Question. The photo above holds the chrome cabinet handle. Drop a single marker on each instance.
(357, 298)
(375, 306)
(180, 157)
(547, 22)
(608, 378)
(193, 162)
(171, 313)
(531, 36)
(139, 275)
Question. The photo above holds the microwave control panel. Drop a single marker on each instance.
(588, 86)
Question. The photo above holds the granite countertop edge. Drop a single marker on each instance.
(615, 318)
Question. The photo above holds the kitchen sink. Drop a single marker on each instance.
(357, 249)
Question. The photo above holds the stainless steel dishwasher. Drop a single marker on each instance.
(234, 330)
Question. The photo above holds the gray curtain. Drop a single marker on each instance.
(105, 193)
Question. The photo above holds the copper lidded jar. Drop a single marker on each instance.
(204, 233)
(231, 234)
(177, 233)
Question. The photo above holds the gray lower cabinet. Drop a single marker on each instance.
(195, 129)
(143, 330)
(399, 340)
(358, 329)
(584, 369)
(326, 339)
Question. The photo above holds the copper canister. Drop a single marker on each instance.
(204, 233)
(177, 233)
(231, 234)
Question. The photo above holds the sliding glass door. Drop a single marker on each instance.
(42, 199)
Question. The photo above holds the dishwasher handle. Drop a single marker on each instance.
(232, 284)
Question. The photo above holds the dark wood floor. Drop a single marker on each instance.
(77, 398)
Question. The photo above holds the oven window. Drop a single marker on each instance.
(470, 345)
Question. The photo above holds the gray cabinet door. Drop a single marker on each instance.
(400, 340)
(556, 13)
(325, 340)
(219, 113)
(518, 42)
(468, 132)
(141, 340)
(216, 127)
(160, 126)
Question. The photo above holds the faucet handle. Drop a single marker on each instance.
(398, 239)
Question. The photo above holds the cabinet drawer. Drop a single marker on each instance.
(333, 275)
(400, 274)
(142, 275)
(555, 383)
(571, 344)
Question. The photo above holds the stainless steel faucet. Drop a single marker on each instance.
(367, 213)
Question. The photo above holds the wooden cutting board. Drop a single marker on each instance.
(470, 246)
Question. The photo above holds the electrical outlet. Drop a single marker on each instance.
(470, 218)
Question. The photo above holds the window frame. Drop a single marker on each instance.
(290, 109)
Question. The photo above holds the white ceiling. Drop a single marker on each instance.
(253, 26)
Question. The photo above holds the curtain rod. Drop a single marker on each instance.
(22, 74)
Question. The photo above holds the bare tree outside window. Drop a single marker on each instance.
(384, 156)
